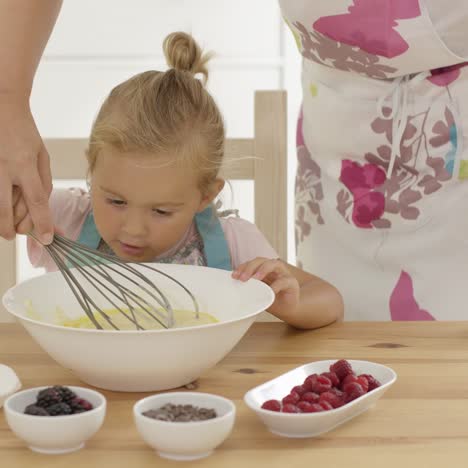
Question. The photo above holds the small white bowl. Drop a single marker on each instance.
(185, 440)
(54, 434)
(313, 424)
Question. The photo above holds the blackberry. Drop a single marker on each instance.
(66, 394)
(48, 397)
(59, 409)
(79, 405)
(35, 410)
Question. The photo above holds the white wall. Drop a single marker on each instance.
(97, 44)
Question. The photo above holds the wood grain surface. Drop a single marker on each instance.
(422, 421)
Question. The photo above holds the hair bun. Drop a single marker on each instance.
(183, 53)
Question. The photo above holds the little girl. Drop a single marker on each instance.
(154, 155)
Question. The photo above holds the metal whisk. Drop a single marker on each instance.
(98, 271)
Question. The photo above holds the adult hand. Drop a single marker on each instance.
(25, 178)
(25, 27)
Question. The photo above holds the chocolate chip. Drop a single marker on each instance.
(180, 413)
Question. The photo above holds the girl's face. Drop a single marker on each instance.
(144, 205)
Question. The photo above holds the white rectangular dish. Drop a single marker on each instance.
(313, 424)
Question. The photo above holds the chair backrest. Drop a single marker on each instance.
(261, 159)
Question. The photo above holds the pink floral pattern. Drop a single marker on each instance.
(445, 76)
(419, 171)
(368, 205)
(309, 192)
(403, 305)
(321, 49)
(369, 25)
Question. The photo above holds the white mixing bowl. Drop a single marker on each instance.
(148, 360)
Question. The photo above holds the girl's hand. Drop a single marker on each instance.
(277, 275)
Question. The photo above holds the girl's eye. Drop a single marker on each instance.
(162, 212)
(115, 202)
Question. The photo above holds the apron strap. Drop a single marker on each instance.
(89, 235)
(215, 246)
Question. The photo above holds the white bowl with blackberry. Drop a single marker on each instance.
(55, 420)
(194, 425)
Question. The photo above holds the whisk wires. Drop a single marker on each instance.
(95, 268)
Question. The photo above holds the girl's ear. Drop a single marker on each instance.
(212, 193)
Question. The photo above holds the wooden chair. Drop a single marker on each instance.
(261, 159)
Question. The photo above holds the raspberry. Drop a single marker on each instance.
(290, 408)
(292, 398)
(363, 382)
(325, 405)
(66, 394)
(348, 379)
(353, 390)
(337, 392)
(341, 368)
(309, 381)
(315, 408)
(60, 409)
(332, 398)
(79, 405)
(35, 410)
(299, 389)
(48, 397)
(373, 382)
(311, 397)
(322, 384)
(333, 378)
(272, 405)
(305, 406)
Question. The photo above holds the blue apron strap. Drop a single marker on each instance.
(214, 243)
(89, 235)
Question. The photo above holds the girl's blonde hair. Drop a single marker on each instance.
(165, 113)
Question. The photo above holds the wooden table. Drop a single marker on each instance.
(422, 421)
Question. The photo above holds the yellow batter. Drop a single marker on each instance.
(182, 319)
